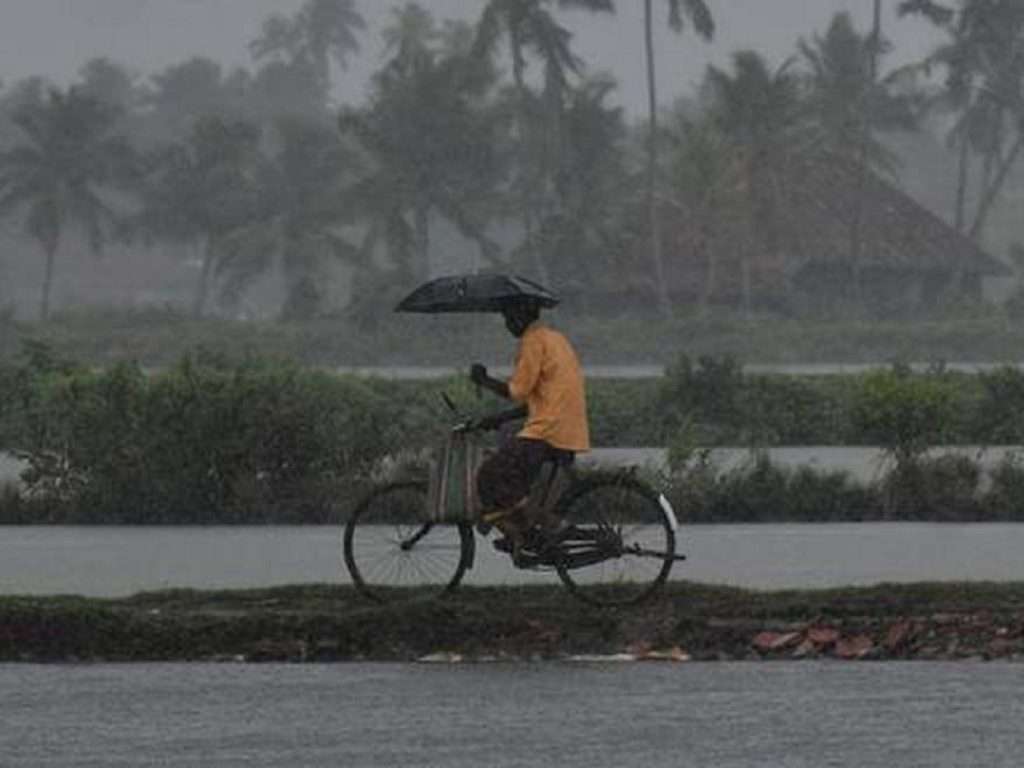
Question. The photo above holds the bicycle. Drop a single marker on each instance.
(612, 521)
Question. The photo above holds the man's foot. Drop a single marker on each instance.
(504, 544)
(536, 540)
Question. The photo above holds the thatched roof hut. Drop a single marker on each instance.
(907, 258)
(906, 252)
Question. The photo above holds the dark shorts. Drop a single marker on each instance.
(505, 477)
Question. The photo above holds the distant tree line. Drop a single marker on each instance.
(495, 127)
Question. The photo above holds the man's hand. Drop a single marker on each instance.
(478, 374)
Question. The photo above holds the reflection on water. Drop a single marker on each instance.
(916, 715)
(119, 561)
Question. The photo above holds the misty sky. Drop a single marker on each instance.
(55, 37)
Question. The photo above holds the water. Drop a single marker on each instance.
(788, 715)
(119, 561)
(865, 464)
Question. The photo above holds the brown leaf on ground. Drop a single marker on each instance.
(823, 636)
(898, 635)
(774, 641)
(856, 647)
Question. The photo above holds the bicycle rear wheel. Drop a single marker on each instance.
(621, 541)
(391, 546)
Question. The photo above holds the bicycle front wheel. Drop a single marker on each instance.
(392, 548)
(621, 542)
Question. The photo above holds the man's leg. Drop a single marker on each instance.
(503, 484)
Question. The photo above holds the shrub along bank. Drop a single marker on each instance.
(261, 441)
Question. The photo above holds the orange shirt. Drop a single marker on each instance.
(549, 380)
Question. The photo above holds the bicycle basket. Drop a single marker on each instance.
(452, 491)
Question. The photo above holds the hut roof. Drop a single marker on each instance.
(897, 231)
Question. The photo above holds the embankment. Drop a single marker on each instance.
(686, 622)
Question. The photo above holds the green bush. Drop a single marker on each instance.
(1004, 500)
(763, 492)
(999, 412)
(904, 413)
(940, 489)
(197, 443)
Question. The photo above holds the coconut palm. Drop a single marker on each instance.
(189, 91)
(62, 173)
(429, 139)
(699, 15)
(849, 103)
(760, 112)
(321, 31)
(707, 192)
(985, 85)
(203, 192)
(304, 208)
(529, 27)
(583, 231)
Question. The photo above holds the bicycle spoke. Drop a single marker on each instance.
(389, 543)
(626, 522)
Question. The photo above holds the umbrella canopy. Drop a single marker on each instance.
(474, 293)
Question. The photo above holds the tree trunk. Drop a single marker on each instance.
(963, 171)
(422, 235)
(956, 282)
(745, 269)
(711, 275)
(857, 223)
(654, 220)
(527, 199)
(44, 303)
(203, 284)
(992, 190)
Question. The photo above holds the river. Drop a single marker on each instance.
(865, 464)
(745, 715)
(119, 561)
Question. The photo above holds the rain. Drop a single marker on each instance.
(750, 271)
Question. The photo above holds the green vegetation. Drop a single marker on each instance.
(255, 440)
(329, 623)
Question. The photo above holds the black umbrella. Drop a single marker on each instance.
(474, 293)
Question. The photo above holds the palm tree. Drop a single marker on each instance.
(63, 172)
(321, 31)
(187, 92)
(203, 192)
(759, 111)
(583, 231)
(529, 26)
(985, 84)
(848, 104)
(304, 206)
(699, 15)
(706, 191)
(429, 138)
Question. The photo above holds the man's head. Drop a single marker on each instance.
(518, 314)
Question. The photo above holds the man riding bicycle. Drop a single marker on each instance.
(548, 381)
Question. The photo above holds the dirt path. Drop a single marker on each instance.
(687, 622)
